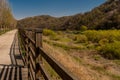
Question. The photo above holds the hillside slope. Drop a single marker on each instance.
(45, 21)
(105, 16)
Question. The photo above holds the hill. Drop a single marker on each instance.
(105, 16)
(45, 21)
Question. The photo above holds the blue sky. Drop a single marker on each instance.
(57, 8)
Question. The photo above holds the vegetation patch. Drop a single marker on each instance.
(65, 46)
(96, 36)
(53, 75)
(81, 39)
(48, 32)
(111, 50)
(3, 31)
(117, 62)
(96, 57)
(104, 41)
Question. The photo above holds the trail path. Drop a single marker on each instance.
(5, 45)
(11, 62)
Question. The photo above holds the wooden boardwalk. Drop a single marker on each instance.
(13, 63)
(10, 72)
(14, 68)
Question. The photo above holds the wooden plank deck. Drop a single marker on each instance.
(14, 68)
(10, 72)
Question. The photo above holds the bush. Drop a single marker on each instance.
(111, 50)
(60, 33)
(48, 32)
(83, 28)
(92, 35)
(81, 39)
(55, 38)
(90, 46)
(103, 42)
(65, 39)
(96, 36)
(72, 36)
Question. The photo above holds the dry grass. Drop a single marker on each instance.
(84, 62)
(88, 68)
(67, 61)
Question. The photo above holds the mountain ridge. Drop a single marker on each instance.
(105, 16)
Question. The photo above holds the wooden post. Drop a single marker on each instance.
(38, 42)
(38, 37)
(28, 55)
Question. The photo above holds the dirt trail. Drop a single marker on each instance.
(5, 45)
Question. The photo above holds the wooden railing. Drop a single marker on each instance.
(31, 44)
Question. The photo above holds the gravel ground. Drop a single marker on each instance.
(5, 45)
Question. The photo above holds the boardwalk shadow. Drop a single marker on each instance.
(16, 70)
(9, 72)
(15, 55)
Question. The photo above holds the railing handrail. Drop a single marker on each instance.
(34, 64)
(61, 70)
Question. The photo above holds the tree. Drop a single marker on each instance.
(6, 18)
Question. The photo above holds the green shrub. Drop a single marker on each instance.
(72, 37)
(65, 39)
(48, 32)
(92, 35)
(81, 39)
(111, 50)
(103, 42)
(90, 46)
(55, 37)
(83, 28)
(96, 36)
(112, 38)
(60, 32)
(96, 57)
